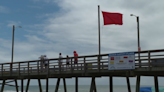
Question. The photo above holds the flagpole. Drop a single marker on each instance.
(99, 37)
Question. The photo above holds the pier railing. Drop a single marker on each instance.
(90, 63)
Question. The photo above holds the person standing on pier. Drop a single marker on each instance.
(60, 59)
(75, 58)
(45, 61)
(68, 60)
(41, 62)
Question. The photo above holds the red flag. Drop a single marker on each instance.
(112, 18)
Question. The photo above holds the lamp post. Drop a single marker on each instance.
(139, 48)
(13, 43)
(138, 77)
(12, 49)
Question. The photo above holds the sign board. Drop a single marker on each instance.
(121, 61)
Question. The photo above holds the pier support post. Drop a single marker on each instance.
(128, 84)
(46, 84)
(57, 85)
(138, 83)
(111, 83)
(156, 83)
(64, 82)
(93, 85)
(76, 83)
(40, 86)
(16, 85)
(28, 82)
(3, 84)
(21, 85)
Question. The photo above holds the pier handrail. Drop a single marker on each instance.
(85, 64)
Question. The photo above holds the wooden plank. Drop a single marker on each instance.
(19, 68)
(10, 85)
(149, 58)
(2, 70)
(156, 83)
(28, 68)
(28, 82)
(84, 65)
(11, 69)
(38, 67)
(8, 82)
(59, 66)
(71, 66)
(81, 67)
(98, 63)
(48, 70)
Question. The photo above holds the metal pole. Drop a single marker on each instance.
(138, 41)
(12, 45)
(11, 66)
(99, 36)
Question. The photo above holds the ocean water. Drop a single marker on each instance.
(71, 88)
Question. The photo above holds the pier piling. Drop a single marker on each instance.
(111, 83)
(47, 84)
(40, 86)
(16, 85)
(64, 82)
(21, 85)
(57, 85)
(76, 89)
(28, 82)
(3, 84)
(138, 83)
(156, 83)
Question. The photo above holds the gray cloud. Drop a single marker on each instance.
(3, 9)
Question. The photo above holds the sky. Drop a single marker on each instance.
(53, 26)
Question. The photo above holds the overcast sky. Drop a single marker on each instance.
(53, 26)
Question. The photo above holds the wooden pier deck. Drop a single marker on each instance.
(88, 66)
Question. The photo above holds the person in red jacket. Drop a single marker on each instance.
(75, 59)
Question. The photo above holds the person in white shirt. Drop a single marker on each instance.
(45, 61)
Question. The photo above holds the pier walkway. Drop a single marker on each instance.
(151, 63)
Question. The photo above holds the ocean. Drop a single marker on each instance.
(71, 88)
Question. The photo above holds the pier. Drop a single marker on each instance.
(92, 66)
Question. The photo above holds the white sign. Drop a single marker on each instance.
(121, 61)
